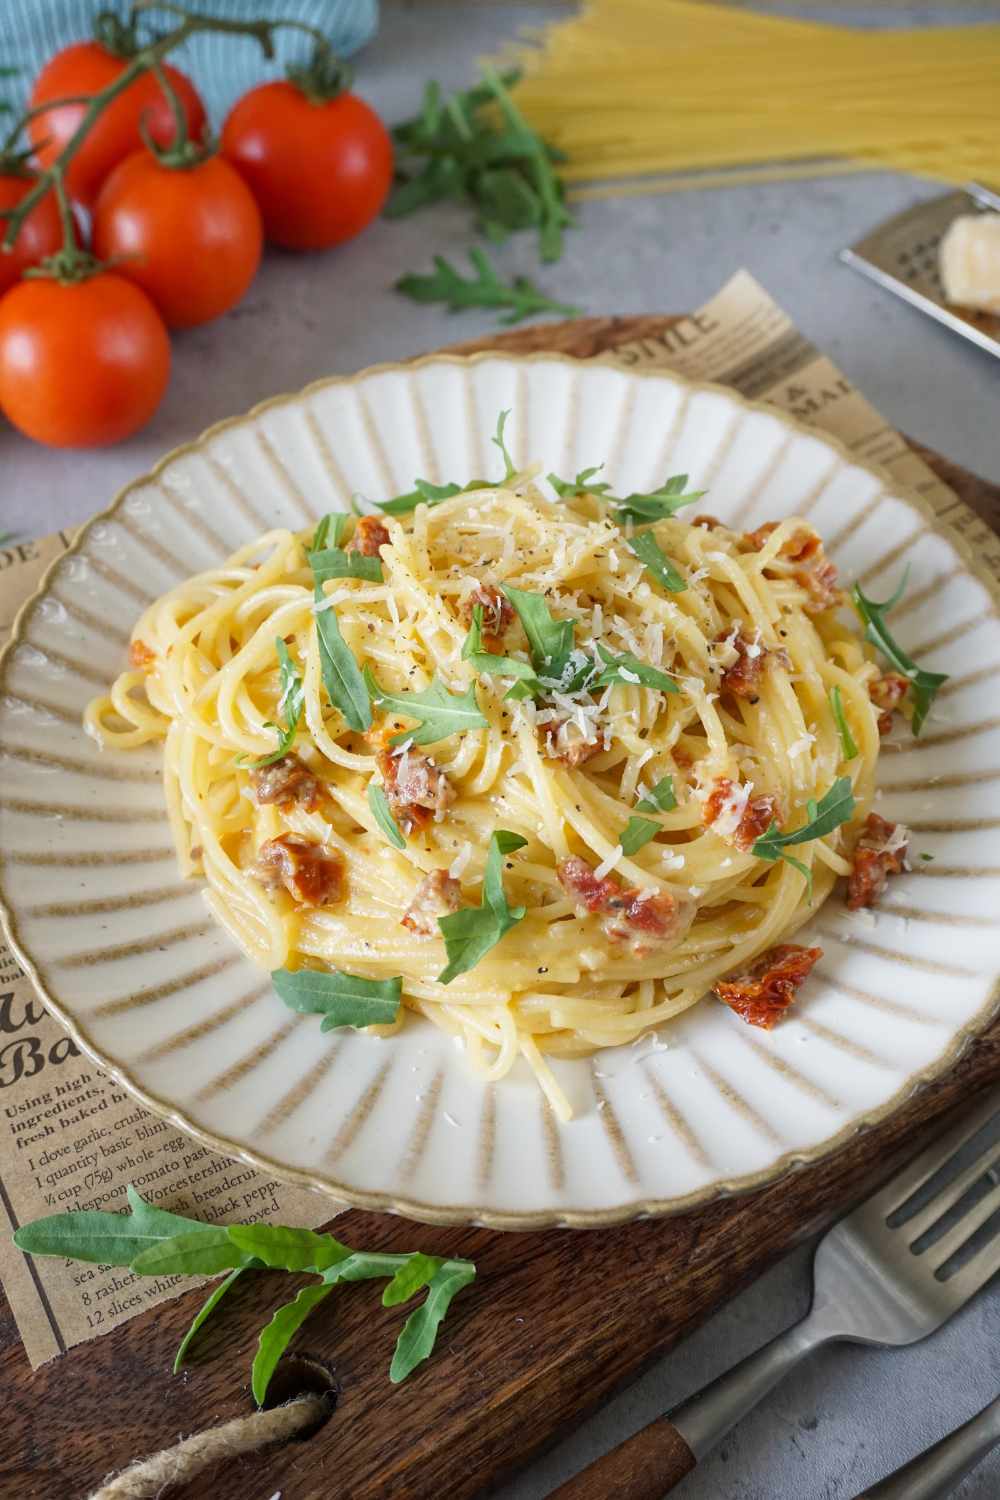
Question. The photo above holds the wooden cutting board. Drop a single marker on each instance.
(554, 1324)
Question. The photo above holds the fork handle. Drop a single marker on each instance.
(653, 1461)
(934, 1474)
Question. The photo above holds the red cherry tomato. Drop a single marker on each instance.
(82, 363)
(319, 171)
(191, 237)
(86, 68)
(40, 234)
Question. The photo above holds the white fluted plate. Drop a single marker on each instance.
(129, 959)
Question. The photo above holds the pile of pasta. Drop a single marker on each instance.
(738, 735)
(709, 94)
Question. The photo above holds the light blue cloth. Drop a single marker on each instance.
(222, 67)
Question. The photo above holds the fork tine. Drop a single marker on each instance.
(906, 1182)
(949, 1196)
(975, 1273)
(956, 1236)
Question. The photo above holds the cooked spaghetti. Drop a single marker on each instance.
(707, 696)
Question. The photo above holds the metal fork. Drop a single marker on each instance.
(883, 1275)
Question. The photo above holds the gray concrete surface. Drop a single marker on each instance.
(851, 1414)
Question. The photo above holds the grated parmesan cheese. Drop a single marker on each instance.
(730, 814)
(460, 863)
(607, 865)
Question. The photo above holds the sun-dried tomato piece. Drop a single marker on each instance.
(645, 920)
(571, 753)
(817, 575)
(709, 523)
(416, 788)
(287, 783)
(141, 655)
(369, 536)
(742, 821)
(742, 677)
(312, 875)
(436, 895)
(887, 692)
(498, 613)
(768, 988)
(879, 853)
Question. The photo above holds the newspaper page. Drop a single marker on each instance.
(71, 1139)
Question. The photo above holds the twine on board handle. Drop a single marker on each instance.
(147, 1477)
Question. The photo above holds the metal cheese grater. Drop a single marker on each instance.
(902, 255)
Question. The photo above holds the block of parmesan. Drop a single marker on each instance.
(970, 261)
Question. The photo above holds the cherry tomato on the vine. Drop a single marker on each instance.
(190, 236)
(82, 363)
(84, 69)
(40, 234)
(320, 170)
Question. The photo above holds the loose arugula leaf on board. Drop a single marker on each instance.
(628, 668)
(834, 808)
(281, 1248)
(344, 683)
(275, 1337)
(416, 1271)
(471, 932)
(550, 640)
(203, 1252)
(382, 813)
(329, 530)
(335, 562)
(106, 1238)
(341, 999)
(204, 1313)
(419, 1335)
(848, 748)
(583, 484)
(656, 562)
(521, 298)
(554, 216)
(290, 706)
(672, 494)
(439, 713)
(924, 685)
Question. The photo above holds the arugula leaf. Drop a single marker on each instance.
(471, 932)
(554, 216)
(671, 495)
(661, 797)
(334, 521)
(204, 1312)
(923, 685)
(416, 1342)
(834, 808)
(344, 683)
(648, 551)
(335, 562)
(438, 712)
(280, 1248)
(341, 999)
(489, 665)
(153, 1241)
(106, 1238)
(202, 1252)
(847, 745)
(275, 1337)
(521, 297)
(550, 640)
(290, 703)
(415, 1272)
(382, 813)
(582, 485)
(639, 831)
(423, 493)
(628, 668)
(510, 468)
